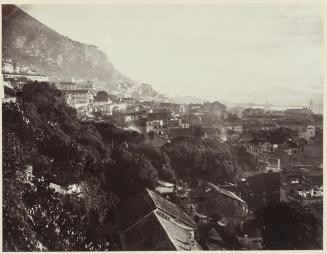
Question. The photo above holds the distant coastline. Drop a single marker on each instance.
(317, 109)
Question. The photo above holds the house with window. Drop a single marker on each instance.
(265, 155)
(78, 97)
(216, 203)
(31, 77)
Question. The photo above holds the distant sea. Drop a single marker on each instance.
(317, 109)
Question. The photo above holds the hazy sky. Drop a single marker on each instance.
(235, 53)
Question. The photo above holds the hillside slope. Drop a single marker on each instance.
(29, 42)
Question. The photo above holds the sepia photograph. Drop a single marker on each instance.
(162, 127)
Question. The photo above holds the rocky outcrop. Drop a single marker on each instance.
(29, 42)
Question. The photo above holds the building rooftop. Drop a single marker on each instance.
(166, 184)
(226, 192)
(170, 208)
(25, 74)
(155, 224)
(77, 90)
(179, 234)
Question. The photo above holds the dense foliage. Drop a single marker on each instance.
(42, 130)
(210, 160)
(102, 96)
(107, 162)
(245, 161)
(287, 226)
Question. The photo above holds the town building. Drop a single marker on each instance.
(105, 107)
(309, 134)
(180, 132)
(265, 155)
(299, 113)
(127, 100)
(155, 126)
(192, 119)
(305, 187)
(296, 125)
(7, 67)
(236, 127)
(66, 85)
(120, 107)
(211, 133)
(78, 97)
(259, 125)
(165, 188)
(252, 112)
(216, 203)
(214, 108)
(10, 94)
(31, 77)
(150, 222)
(259, 189)
(178, 123)
(90, 85)
(182, 109)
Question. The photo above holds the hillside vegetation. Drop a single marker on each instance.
(108, 163)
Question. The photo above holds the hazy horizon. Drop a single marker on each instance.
(235, 53)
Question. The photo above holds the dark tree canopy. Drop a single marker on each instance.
(109, 164)
(102, 96)
(43, 130)
(287, 226)
(193, 158)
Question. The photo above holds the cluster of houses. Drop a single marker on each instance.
(177, 217)
(15, 71)
(285, 145)
(173, 217)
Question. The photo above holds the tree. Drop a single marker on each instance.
(96, 199)
(244, 160)
(198, 132)
(108, 163)
(102, 96)
(207, 160)
(17, 232)
(287, 226)
(232, 118)
(130, 172)
(158, 159)
(51, 106)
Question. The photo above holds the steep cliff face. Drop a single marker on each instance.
(27, 41)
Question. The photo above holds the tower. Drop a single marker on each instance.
(311, 104)
(267, 106)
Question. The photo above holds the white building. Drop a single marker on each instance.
(7, 67)
(154, 125)
(233, 127)
(308, 134)
(165, 187)
(31, 77)
(78, 97)
(311, 130)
